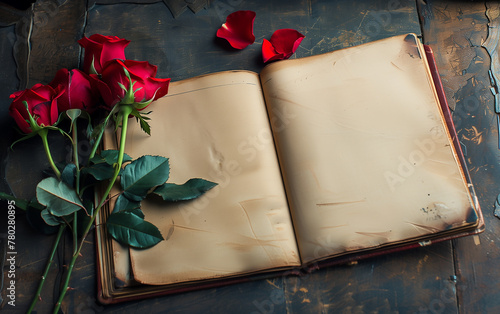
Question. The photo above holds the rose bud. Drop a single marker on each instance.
(100, 49)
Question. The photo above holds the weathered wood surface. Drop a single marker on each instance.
(457, 31)
(447, 278)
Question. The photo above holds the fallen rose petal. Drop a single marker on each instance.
(282, 45)
(269, 53)
(238, 29)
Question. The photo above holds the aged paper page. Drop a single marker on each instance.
(214, 127)
(365, 156)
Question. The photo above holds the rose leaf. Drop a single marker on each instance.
(143, 174)
(100, 172)
(124, 204)
(192, 189)
(130, 229)
(60, 199)
(109, 156)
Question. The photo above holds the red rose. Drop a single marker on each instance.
(42, 105)
(78, 93)
(99, 49)
(115, 86)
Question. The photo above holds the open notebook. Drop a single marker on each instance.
(318, 160)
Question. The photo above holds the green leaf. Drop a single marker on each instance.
(33, 211)
(92, 69)
(29, 135)
(122, 86)
(60, 199)
(49, 171)
(192, 189)
(124, 204)
(142, 120)
(129, 229)
(50, 219)
(101, 171)
(89, 207)
(83, 218)
(34, 218)
(20, 203)
(137, 211)
(102, 168)
(110, 157)
(68, 174)
(96, 131)
(143, 174)
(73, 114)
(89, 132)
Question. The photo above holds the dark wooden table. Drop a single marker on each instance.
(462, 275)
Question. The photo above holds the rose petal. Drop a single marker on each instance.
(42, 104)
(146, 86)
(107, 95)
(286, 40)
(114, 49)
(82, 95)
(16, 94)
(27, 94)
(156, 87)
(76, 90)
(43, 91)
(20, 121)
(238, 29)
(99, 49)
(112, 74)
(269, 53)
(142, 69)
(284, 43)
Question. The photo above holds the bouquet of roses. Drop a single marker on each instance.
(111, 89)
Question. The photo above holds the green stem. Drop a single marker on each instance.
(75, 233)
(43, 134)
(76, 162)
(47, 268)
(101, 133)
(124, 113)
(96, 144)
(75, 157)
